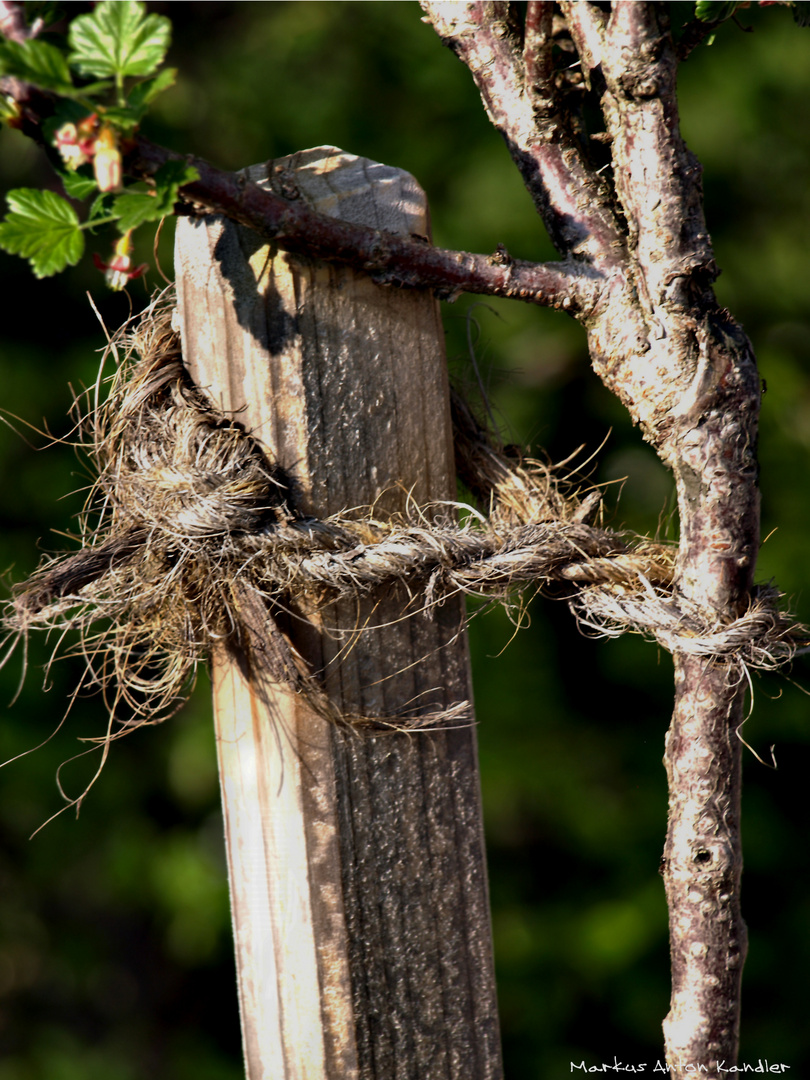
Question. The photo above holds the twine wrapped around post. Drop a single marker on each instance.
(194, 515)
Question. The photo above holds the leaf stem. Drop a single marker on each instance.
(91, 224)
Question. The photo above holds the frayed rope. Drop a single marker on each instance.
(189, 524)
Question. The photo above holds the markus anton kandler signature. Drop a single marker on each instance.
(642, 1068)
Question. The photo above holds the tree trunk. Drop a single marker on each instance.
(356, 860)
(687, 374)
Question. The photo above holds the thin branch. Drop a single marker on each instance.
(388, 259)
(657, 178)
(586, 25)
(572, 200)
(537, 62)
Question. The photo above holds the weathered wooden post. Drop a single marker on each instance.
(356, 861)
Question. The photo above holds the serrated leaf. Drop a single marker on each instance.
(118, 39)
(77, 185)
(137, 207)
(122, 118)
(141, 95)
(174, 174)
(715, 10)
(43, 228)
(96, 89)
(36, 62)
(169, 179)
(127, 117)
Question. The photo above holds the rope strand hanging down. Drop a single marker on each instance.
(189, 524)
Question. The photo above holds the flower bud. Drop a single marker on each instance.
(74, 149)
(118, 272)
(107, 160)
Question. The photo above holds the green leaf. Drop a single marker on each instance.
(137, 207)
(43, 228)
(36, 62)
(715, 10)
(118, 40)
(141, 95)
(94, 89)
(77, 185)
(125, 118)
(171, 177)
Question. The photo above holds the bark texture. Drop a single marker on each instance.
(687, 374)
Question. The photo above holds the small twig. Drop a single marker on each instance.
(537, 53)
(388, 259)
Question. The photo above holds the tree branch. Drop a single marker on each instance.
(586, 25)
(388, 259)
(570, 197)
(537, 64)
(657, 179)
(12, 22)
(688, 376)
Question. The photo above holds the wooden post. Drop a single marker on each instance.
(356, 861)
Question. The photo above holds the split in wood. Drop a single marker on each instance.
(192, 539)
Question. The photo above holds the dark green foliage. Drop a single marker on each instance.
(139, 204)
(37, 62)
(115, 957)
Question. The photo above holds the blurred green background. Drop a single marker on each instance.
(115, 953)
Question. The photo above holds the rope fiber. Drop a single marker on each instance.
(189, 523)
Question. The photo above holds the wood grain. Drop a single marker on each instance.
(356, 862)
